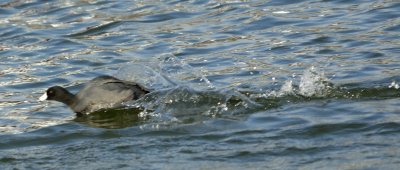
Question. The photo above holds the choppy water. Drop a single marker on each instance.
(237, 84)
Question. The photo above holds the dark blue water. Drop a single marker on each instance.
(236, 84)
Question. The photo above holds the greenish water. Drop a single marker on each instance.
(236, 84)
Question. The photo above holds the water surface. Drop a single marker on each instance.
(236, 84)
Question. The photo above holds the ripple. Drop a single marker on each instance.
(96, 30)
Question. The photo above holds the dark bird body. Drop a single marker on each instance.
(100, 93)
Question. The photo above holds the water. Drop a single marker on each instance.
(236, 84)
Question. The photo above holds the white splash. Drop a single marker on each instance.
(394, 85)
(144, 75)
(313, 83)
(287, 88)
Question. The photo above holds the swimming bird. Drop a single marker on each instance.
(100, 93)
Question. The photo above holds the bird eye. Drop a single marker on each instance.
(51, 92)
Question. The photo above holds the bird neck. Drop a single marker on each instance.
(69, 99)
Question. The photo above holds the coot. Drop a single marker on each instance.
(100, 93)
